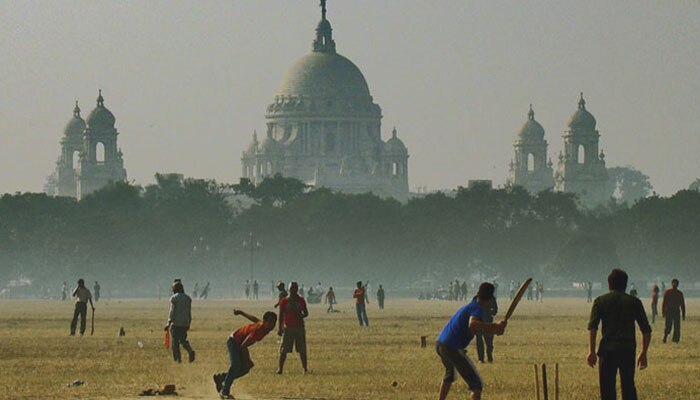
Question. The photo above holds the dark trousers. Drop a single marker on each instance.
(380, 300)
(610, 363)
(673, 321)
(80, 310)
(361, 314)
(239, 365)
(654, 311)
(480, 339)
(178, 336)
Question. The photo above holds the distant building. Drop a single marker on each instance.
(324, 128)
(530, 168)
(90, 158)
(580, 169)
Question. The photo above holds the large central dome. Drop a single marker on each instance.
(326, 75)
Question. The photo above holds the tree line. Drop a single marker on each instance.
(135, 236)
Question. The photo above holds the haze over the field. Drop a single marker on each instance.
(189, 81)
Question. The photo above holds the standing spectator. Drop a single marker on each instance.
(96, 291)
(247, 289)
(529, 292)
(654, 303)
(330, 299)
(380, 297)
(488, 311)
(540, 291)
(301, 291)
(672, 307)
(633, 290)
(256, 288)
(589, 292)
(464, 291)
(618, 312)
(179, 320)
(281, 292)
(205, 292)
(195, 291)
(82, 295)
(360, 296)
(511, 288)
(64, 291)
(291, 327)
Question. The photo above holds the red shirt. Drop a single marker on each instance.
(255, 331)
(291, 309)
(359, 296)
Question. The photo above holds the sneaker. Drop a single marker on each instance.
(219, 381)
(192, 356)
(223, 395)
(278, 372)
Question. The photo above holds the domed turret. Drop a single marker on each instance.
(76, 125)
(582, 119)
(394, 145)
(531, 129)
(101, 117)
(253, 146)
(269, 146)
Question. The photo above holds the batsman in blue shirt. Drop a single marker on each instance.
(456, 335)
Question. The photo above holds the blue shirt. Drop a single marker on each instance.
(456, 333)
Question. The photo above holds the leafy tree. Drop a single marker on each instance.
(627, 184)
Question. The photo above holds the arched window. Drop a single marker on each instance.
(530, 162)
(581, 154)
(269, 168)
(76, 159)
(100, 152)
(395, 168)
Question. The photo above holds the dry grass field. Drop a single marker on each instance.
(38, 358)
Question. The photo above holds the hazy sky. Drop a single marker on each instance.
(188, 81)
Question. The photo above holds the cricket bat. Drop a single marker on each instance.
(518, 296)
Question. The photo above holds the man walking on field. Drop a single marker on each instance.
(179, 320)
(456, 335)
(82, 296)
(239, 356)
(618, 311)
(291, 327)
(671, 308)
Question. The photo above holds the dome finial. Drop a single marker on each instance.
(582, 103)
(393, 132)
(531, 114)
(76, 110)
(324, 42)
(100, 99)
(255, 135)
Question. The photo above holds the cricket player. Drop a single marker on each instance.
(618, 311)
(456, 335)
(238, 344)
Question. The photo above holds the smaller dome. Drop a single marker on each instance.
(269, 146)
(394, 145)
(76, 125)
(253, 146)
(582, 119)
(101, 117)
(531, 129)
